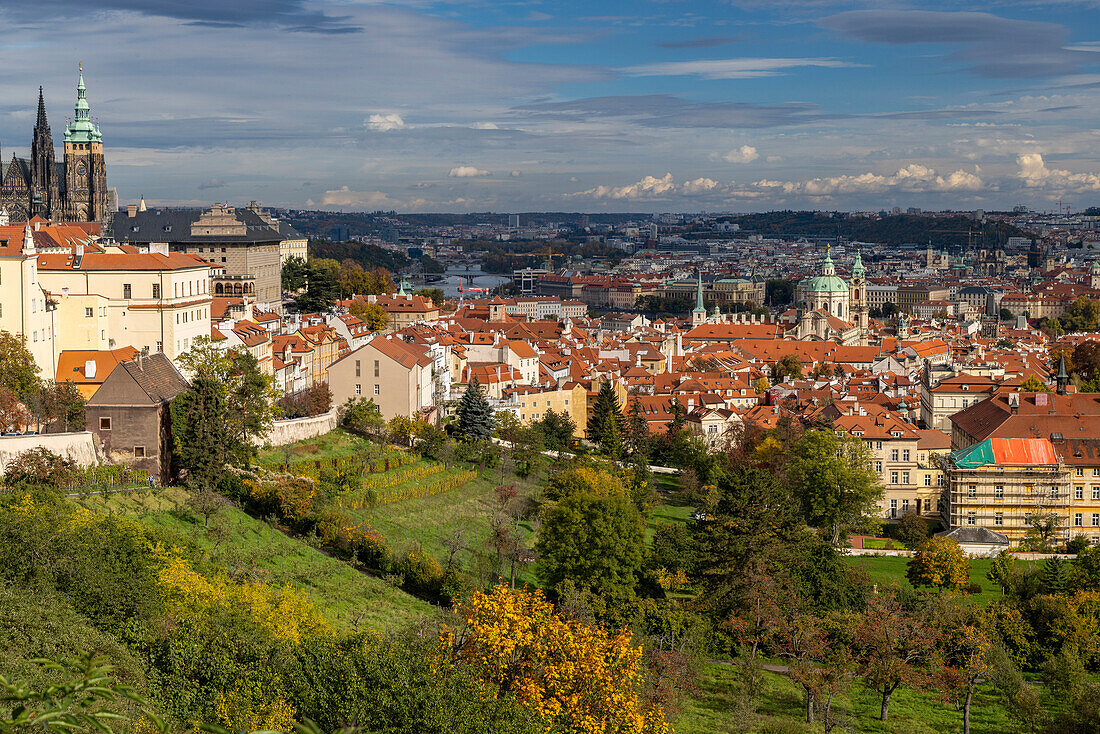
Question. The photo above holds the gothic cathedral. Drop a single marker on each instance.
(72, 191)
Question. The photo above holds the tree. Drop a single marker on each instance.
(18, 372)
(201, 433)
(436, 294)
(475, 417)
(789, 366)
(965, 648)
(322, 286)
(557, 429)
(940, 563)
(1034, 384)
(374, 316)
(637, 429)
(896, 646)
(1005, 315)
(594, 537)
(13, 413)
(912, 530)
(606, 424)
(832, 478)
(576, 675)
(294, 274)
(1002, 570)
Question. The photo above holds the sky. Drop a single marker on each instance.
(572, 105)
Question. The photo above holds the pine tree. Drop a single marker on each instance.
(475, 417)
(606, 424)
(637, 429)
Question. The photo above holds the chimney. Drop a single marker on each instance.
(131, 210)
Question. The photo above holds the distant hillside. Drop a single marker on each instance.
(369, 256)
(891, 230)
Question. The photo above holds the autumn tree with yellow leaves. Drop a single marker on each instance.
(940, 563)
(576, 675)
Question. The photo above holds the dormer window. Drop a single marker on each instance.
(965, 387)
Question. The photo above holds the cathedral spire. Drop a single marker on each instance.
(41, 122)
(82, 129)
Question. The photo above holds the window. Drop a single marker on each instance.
(1027, 518)
(878, 467)
(160, 346)
(971, 519)
(358, 373)
(377, 390)
(928, 480)
(905, 455)
(1096, 519)
(893, 477)
(358, 389)
(1080, 471)
(1079, 492)
(1077, 521)
(893, 455)
(893, 508)
(878, 445)
(972, 491)
(1096, 471)
(127, 290)
(1054, 492)
(999, 491)
(998, 518)
(376, 368)
(156, 290)
(904, 506)
(139, 452)
(1096, 492)
(104, 424)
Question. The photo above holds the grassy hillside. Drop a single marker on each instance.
(242, 544)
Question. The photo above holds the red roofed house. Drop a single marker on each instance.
(394, 373)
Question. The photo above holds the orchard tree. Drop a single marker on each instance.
(965, 649)
(832, 478)
(475, 417)
(939, 563)
(896, 646)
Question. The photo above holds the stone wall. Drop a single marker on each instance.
(299, 429)
(76, 446)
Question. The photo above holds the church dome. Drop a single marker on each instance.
(828, 281)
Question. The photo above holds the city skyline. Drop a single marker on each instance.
(425, 106)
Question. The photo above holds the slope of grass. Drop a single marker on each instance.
(245, 545)
(781, 709)
(889, 571)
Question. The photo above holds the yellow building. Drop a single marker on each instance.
(533, 404)
(156, 301)
(25, 309)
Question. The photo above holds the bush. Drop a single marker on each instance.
(41, 468)
(422, 572)
(1078, 544)
(912, 530)
(973, 588)
(309, 402)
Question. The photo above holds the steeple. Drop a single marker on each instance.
(699, 315)
(41, 123)
(857, 267)
(28, 241)
(1063, 377)
(827, 268)
(82, 129)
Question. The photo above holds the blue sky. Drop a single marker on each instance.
(677, 105)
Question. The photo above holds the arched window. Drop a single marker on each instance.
(218, 288)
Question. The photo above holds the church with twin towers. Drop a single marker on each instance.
(72, 190)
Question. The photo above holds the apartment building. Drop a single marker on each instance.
(530, 404)
(396, 374)
(153, 301)
(939, 401)
(25, 308)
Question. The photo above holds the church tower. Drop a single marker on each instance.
(85, 168)
(45, 201)
(858, 299)
(699, 315)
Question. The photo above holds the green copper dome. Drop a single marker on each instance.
(82, 129)
(857, 267)
(828, 281)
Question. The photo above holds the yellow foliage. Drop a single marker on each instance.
(240, 711)
(190, 597)
(671, 581)
(577, 675)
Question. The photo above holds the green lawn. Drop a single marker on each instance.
(781, 709)
(890, 570)
(335, 444)
(243, 544)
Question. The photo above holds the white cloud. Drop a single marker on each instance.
(516, 174)
(744, 68)
(485, 126)
(386, 121)
(1035, 174)
(345, 198)
(914, 178)
(468, 172)
(650, 187)
(698, 186)
(744, 154)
